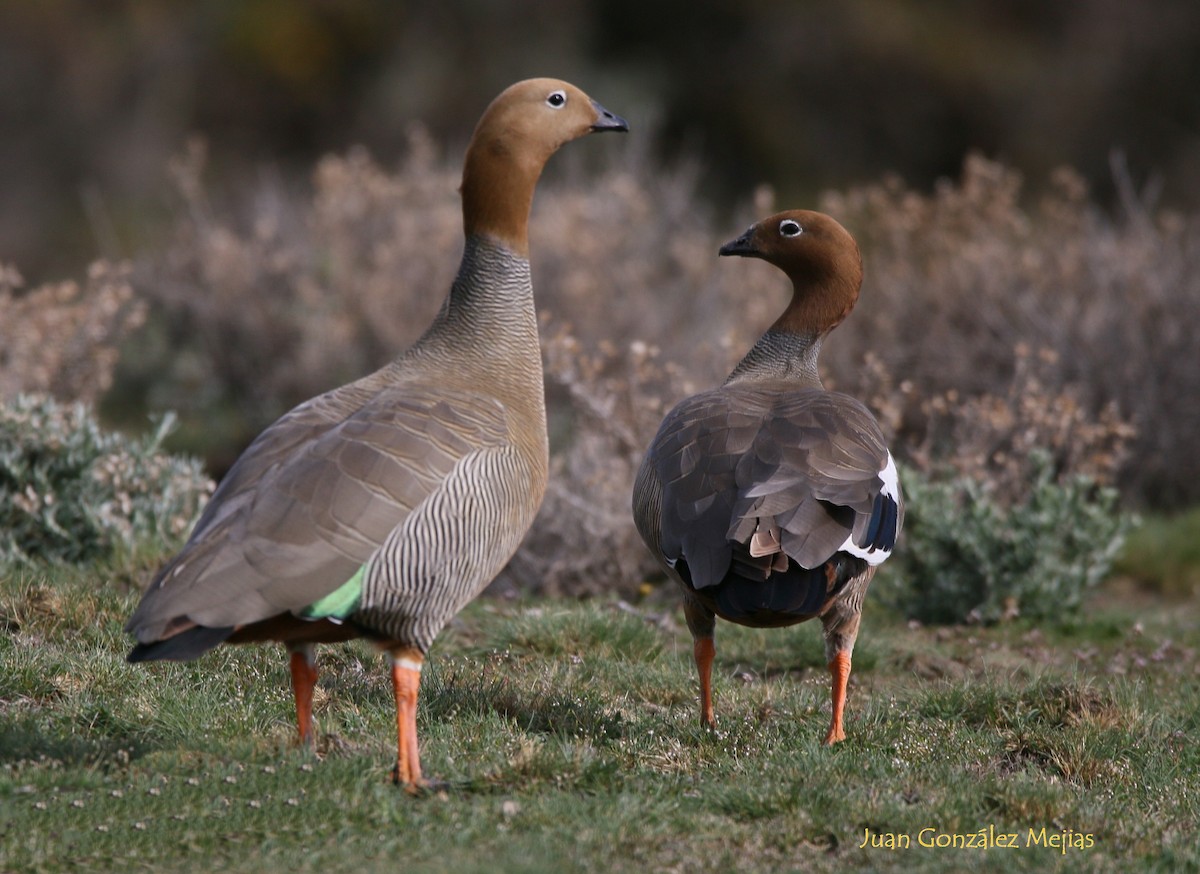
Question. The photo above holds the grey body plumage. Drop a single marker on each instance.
(391, 472)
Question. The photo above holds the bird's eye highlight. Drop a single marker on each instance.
(557, 99)
(790, 228)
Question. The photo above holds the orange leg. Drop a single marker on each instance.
(406, 681)
(704, 650)
(304, 678)
(840, 668)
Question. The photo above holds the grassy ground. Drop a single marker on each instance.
(568, 734)
(1163, 554)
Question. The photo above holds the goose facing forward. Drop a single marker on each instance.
(770, 500)
(383, 507)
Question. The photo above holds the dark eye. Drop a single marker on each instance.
(557, 99)
(790, 228)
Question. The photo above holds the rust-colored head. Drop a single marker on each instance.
(517, 134)
(818, 255)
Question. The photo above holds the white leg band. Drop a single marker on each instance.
(407, 664)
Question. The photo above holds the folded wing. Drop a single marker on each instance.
(297, 527)
(754, 467)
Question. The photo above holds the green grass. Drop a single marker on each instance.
(1163, 554)
(568, 734)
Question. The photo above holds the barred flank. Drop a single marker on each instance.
(450, 548)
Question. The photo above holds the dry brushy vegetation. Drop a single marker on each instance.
(987, 326)
(960, 280)
(72, 492)
(63, 339)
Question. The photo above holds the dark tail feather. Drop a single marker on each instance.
(780, 599)
(180, 647)
(787, 597)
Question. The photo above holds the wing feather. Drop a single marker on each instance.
(314, 516)
(808, 461)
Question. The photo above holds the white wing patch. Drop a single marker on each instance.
(891, 489)
(891, 479)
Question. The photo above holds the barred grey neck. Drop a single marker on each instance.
(493, 292)
(490, 311)
(781, 355)
(485, 336)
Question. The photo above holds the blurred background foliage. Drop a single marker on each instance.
(96, 95)
(220, 209)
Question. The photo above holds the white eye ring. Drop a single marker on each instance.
(790, 228)
(557, 99)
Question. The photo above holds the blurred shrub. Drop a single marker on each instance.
(63, 339)
(968, 557)
(248, 318)
(254, 311)
(958, 279)
(1011, 511)
(1011, 438)
(71, 492)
